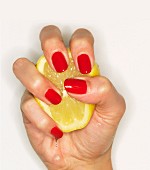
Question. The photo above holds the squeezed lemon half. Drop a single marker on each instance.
(70, 114)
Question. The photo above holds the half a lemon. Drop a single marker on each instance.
(70, 114)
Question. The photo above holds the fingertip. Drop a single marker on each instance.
(75, 86)
(81, 45)
(59, 61)
(52, 96)
(54, 48)
(84, 63)
(56, 132)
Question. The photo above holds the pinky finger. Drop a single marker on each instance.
(33, 113)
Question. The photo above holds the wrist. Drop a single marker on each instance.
(102, 163)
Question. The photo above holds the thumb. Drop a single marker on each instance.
(110, 105)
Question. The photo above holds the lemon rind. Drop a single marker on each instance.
(89, 108)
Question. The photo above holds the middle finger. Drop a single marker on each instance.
(54, 48)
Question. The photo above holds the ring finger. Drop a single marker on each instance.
(35, 82)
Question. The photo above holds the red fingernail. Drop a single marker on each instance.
(53, 96)
(84, 64)
(75, 86)
(59, 62)
(56, 132)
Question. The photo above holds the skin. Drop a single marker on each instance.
(88, 148)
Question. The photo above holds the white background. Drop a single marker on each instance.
(122, 49)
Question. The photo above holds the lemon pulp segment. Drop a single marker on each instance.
(70, 114)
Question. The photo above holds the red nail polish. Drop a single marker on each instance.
(59, 62)
(75, 86)
(56, 132)
(84, 64)
(53, 96)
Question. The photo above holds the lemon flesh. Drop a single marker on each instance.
(70, 114)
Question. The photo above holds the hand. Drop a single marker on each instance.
(88, 148)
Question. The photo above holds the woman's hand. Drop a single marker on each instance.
(88, 148)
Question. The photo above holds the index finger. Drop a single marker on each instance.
(53, 48)
(82, 50)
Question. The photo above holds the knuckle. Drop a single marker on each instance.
(49, 35)
(83, 30)
(43, 124)
(18, 63)
(106, 86)
(122, 105)
(80, 41)
(49, 28)
(49, 41)
(120, 108)
(26, 105)
(36, 84)
(83, 37)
